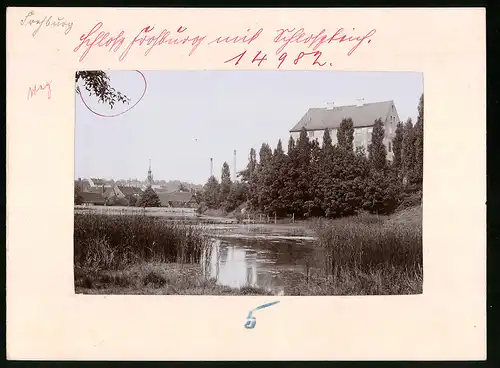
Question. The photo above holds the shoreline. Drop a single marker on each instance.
(176, 279)
(155, 279)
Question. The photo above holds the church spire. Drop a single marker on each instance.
(150, 174)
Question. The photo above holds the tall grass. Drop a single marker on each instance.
(114, 242)
(379, 256)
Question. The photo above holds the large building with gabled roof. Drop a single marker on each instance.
(316, 120)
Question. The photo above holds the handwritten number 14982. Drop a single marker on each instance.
(260, 57)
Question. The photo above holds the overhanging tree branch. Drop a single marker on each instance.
(97, 84)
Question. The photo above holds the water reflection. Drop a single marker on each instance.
(256, 263)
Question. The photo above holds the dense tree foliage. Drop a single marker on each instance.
(225, 185)
(398, 147)
(345, 134)
(327, 180)
(211, 190)
(149, 198)
(408, 161)
(131, 200)
(419, 144)
(377, 152)
(248, 172)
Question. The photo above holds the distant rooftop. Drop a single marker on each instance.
(129, 190)
(175, 197)
(330, 117)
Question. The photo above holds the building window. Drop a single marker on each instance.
(390, 147)
(311, 134)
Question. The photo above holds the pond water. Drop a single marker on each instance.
(256, 262)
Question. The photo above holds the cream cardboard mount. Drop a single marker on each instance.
(46, 320)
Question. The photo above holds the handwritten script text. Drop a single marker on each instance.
(32, 91)
(149, 38)
(47, 21)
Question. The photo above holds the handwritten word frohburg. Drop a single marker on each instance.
(47, 21)
(143, 37)
(33, 90)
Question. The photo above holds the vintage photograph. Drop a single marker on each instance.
(247, 182)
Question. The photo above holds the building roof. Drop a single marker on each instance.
(129, 190)
(93, 190)
(88, 197)
(162, 190)
(97, 181)
(362, 116)
(182, 197)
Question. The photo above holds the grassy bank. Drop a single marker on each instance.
(367, 254)
(154, 279)
(359, 255)
(142, 255)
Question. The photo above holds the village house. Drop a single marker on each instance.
(92, 199)
(177, 199)
(84, 186)
(99, 183)
(121, 191)
(316, 120)
(120, 195)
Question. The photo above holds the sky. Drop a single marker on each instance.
(187, 117)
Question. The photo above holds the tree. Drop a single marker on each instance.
(131, 200)
(259, 185)
(377, 152)
(97, 84)
(265, 154)
(291, 144)
(397, 144)
(278, 151)
(78, 197)
(183, 188)
(149, 198)
(408, 155)
(236, 197)
(299, 175)
(313, 203)
(419, 144)
(225, 183)
(345, 134)
(249, 171)
(211, 192)
(276, 179)
(327, 139)
(380, 194)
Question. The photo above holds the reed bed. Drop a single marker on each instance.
(114, 242)
(369, 254)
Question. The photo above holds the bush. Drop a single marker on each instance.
(78, 199)
(202, 208)
(410, 199)
(155, 279)
(381, 194)
(132, 200)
